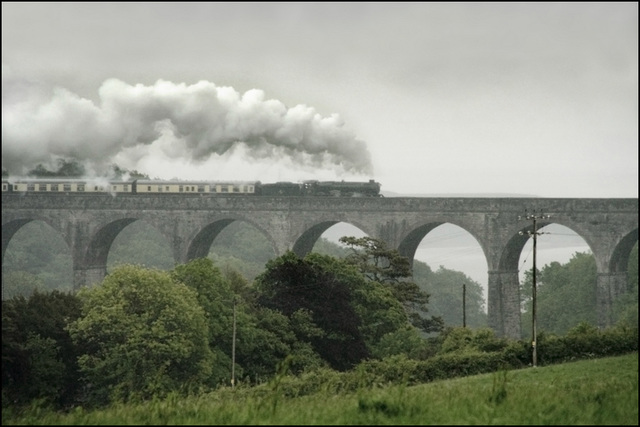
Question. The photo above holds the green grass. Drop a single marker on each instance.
(596, 391)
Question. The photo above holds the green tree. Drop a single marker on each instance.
(142, 244)
(37, 250)
(144, 335)
(66, 168)
(625, 307)
(386, 266)
(38, 356)
(120, 173)
(263, 337)
(291, 284)
(445, 289)
(217, 299)
(241, 247)
(267, 337)
(565, 295)
(20, 283)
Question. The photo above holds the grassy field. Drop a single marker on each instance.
(597, 391)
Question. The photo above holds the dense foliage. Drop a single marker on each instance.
(566, 295)
(295, 286)
(380, 264)
(38, 258)
(145, 333)
(39, 360)
(74, 169)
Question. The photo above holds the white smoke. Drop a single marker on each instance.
(185, 124)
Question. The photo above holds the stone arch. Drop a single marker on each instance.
(305, 242)
(58, 247)
(101, 241)
(504, 282)
(155, 239)
(9, 229)
(620, 257)
(199, 244)
(516, 241)
(409, 244)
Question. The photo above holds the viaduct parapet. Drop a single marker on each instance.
(90, 223)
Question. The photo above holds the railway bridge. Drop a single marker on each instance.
(90, 223)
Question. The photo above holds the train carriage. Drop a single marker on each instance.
(235, 188)
(310, 188)
(46, 185)
(193, 187)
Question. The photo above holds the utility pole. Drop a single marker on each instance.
(464, 305)
(233, 347)
(534, 334)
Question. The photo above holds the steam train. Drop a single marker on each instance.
(312, 188)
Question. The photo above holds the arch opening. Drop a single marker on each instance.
(238, 245)
(328, 243)
(140, 243)
(451, 266)
(36, 256)
(566, 281)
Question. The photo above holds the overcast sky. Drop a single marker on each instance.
(433, 98)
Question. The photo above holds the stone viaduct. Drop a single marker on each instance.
(90, 223)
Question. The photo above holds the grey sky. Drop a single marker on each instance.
(437, 98)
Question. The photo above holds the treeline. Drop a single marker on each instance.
(144, 334)
(243, 317)
(38, 258)
(566, 295)
(73, 169)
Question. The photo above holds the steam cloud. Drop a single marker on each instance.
(195, 122)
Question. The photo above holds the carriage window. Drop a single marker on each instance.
(200, 188)
(67, 187)
(80, 187)
(148, 188)
(180, 189)
(166, 188)
(125, 187)
(31, 187)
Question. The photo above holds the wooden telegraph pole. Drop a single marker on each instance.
(534, 334)
(464, 305)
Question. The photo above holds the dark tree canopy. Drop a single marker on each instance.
(39, 359)
(381, 264)
(74, 169)
(291, 284)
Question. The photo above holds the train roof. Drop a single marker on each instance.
(60, 180)
(157, 181)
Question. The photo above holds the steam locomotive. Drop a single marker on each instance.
(312, 188)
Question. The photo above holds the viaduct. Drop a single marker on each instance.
(90, 223)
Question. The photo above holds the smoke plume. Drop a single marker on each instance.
(195, 123)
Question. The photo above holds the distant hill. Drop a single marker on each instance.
(470, 195)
